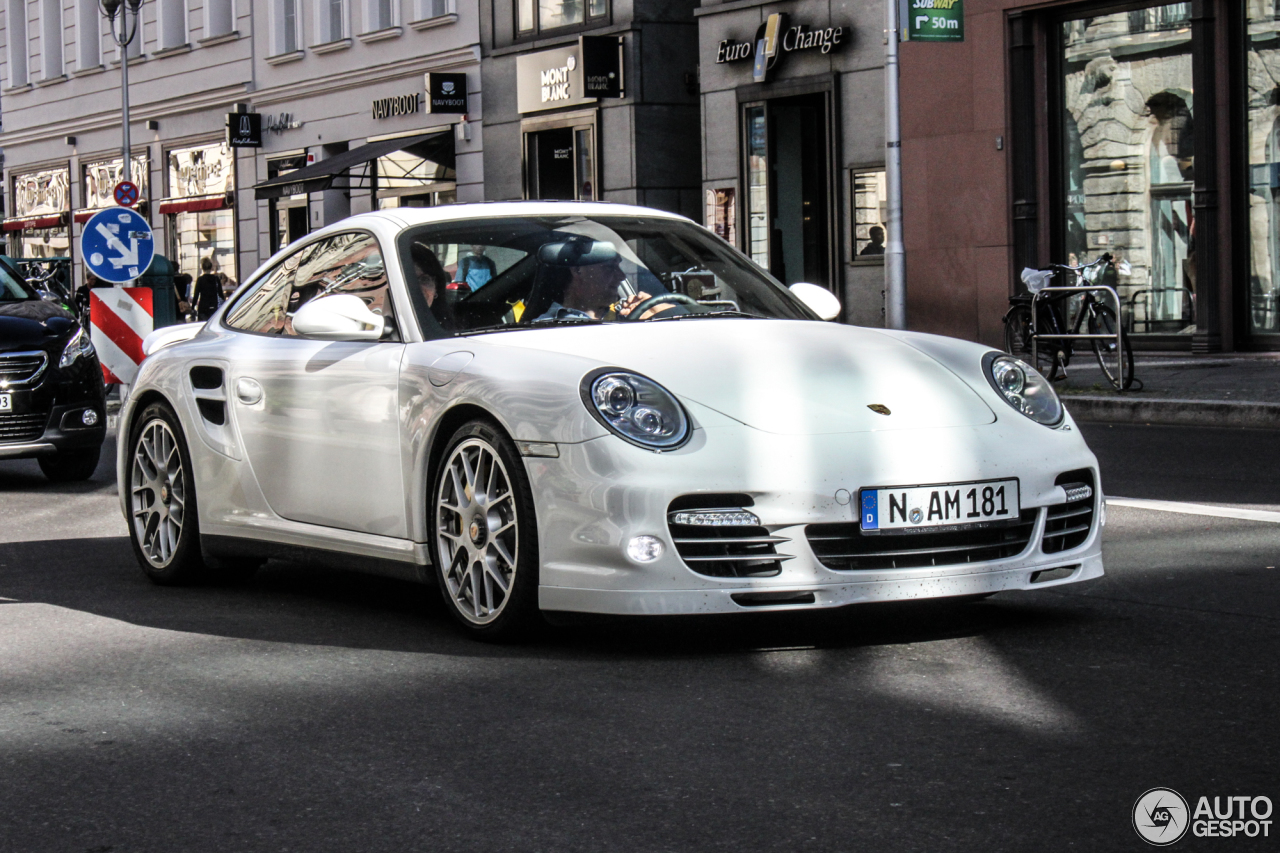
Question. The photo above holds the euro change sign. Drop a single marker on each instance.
(117, 245)
(933, 20)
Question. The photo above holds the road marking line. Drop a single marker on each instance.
(1197, 509)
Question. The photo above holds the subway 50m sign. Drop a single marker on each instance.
(933, 20)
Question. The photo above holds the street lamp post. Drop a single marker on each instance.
(112, 8)
(894, 254)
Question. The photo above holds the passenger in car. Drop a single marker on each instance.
(432, 279)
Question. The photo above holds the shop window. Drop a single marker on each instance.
(869, 200)
(219, 18)
(380, 15)
(1262, 106)
(417, 176)
(536, 16)
(331, 20)
(288, 217)
(51, 38)
(722, 213)
(171, 22)
(41, 200)
(16, 22)
(88, 34)
(1128, 159)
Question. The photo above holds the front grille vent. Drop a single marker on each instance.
(716, 535)
(15, 429)
(1067, 525)
(22, 368)
(844, 547)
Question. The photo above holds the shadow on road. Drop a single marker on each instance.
(296, 603)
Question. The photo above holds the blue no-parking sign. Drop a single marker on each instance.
(117, 245)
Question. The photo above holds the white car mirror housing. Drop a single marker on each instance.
(339, 317)
(819, 300)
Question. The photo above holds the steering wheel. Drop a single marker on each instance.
(636, 312)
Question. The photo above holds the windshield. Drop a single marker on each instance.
(536, 272)
(13, 288)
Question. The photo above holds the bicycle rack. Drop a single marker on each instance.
(1078, 288)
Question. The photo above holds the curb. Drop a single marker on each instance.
(1118, 410)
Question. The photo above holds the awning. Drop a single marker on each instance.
(436, 146)
(33, 222)
(194, 204)
(83, 216)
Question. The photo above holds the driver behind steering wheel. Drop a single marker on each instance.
(593, 283)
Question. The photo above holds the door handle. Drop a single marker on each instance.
(248, 391)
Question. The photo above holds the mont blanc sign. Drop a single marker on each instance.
(569, 76)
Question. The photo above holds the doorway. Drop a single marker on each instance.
(787, 147)
(560, 163)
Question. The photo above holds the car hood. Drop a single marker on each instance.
(33, 322)
(779, 376)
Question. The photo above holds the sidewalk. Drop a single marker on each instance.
(1234, 389)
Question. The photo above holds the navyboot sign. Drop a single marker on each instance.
(775, 37)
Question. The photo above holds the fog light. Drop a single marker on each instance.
(645, 549)
(89, 418)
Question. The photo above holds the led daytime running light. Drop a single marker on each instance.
(714, 518)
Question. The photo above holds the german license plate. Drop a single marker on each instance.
(6, 402)
(914, 507)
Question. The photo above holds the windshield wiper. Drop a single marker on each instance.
(539, 324)
(728, 312)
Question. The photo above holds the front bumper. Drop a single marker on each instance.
(63, 431)
(599, 494)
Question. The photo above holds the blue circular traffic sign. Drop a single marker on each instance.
(117, 245)
(126, 193)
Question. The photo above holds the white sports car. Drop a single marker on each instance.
(548, 406)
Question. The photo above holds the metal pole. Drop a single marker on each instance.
(126, 172)
(895, 272)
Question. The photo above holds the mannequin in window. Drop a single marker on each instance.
(876, 246)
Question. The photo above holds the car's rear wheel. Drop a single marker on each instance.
(69, 466)
(484, 534)
(163, 526)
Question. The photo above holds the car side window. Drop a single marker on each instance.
(345, 263)
(262, 310)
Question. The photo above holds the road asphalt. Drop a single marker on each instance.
(317, 710)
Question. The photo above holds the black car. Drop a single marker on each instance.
(52, 398)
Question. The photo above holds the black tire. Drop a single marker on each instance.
(161, 489)
(1118, 367)
(1017, 342)
(69, 466)
(471, 537)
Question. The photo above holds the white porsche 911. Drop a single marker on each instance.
(549, 406)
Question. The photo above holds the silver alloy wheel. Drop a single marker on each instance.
(158, 488)
(477, 537)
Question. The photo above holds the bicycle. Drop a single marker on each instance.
(1053, 357)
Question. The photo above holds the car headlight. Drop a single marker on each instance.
(635, 408)
(78, 345)
(1022, 387)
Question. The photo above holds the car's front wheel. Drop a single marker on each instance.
(162, 502)
(484, 534)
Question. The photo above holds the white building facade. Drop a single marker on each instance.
(327, 77)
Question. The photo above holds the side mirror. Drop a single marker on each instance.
(340, 317)
(818, 299)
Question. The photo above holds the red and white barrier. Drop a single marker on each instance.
(119, 318)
